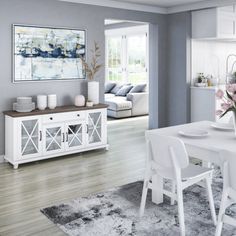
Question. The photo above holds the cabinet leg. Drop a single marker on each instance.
(15, 166)
(107, 148)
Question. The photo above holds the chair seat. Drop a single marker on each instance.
(193, 171)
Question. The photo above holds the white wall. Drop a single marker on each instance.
(209, 57)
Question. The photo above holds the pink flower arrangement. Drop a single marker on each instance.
(228, 100)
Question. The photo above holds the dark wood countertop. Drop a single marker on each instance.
(56, 110)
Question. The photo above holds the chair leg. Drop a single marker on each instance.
(144, 194)
(211, 200)
(221, 214)
(173, 187)
(157, 189)
(181, 210)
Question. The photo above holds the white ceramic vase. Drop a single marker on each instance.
(79, 101)
(93, 92)
(52, 101)
(41, 102)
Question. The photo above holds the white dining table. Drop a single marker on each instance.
(206, 148)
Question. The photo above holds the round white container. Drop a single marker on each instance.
(41, 102)
(89, 104)
(93, 92)
(79, 100)
(52, 101)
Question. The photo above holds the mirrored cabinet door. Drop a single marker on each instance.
(94, 128)
(74, 135)
(30, 138)
(54, 138)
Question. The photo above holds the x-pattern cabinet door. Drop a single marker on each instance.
(96, 129)
(30, 138)
(53, 138)
(74, 135)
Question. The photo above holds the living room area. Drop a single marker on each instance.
(126, 68)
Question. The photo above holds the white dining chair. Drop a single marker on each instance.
(167, 158)
(229, 190)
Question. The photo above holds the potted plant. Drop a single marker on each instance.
(228, 104)
(201, 80)
(91, 70)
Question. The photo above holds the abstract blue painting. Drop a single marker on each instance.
(43, 53)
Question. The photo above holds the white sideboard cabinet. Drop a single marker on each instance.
(45, 134)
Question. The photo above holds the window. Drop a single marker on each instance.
(114, 60)
(127, 55)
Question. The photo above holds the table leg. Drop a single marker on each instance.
(157, 189)
(207, 164)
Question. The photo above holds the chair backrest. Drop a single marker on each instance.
(162, 151)
(229, 170)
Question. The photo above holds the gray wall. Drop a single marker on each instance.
(62, 14)
(179, 51)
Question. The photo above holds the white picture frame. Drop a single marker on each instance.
(48, 53)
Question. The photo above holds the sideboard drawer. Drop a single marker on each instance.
(61, 117)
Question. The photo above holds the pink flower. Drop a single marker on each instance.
(225, 106)
(234, 97)
(229, 101)
(231, 88)
(219, 112)
(219, 94)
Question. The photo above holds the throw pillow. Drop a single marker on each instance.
(109, 86)
(138, 88)
(124, 90)
(116, 89)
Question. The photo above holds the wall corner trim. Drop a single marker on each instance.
(155, 9)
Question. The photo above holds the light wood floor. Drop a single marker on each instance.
(25, 191)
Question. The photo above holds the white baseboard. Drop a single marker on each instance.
(1, 158)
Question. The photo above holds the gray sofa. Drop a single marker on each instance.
(127, 105)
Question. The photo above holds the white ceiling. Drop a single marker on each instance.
(162, 3)
(157, 6)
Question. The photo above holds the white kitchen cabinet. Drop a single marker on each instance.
(214, 23)
(204, 105)
(45, 134)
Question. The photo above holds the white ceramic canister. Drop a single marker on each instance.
(42, 102)
(52, 101)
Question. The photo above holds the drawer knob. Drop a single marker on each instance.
(78, 115)
(51, 118)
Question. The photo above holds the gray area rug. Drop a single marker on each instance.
(115, 212)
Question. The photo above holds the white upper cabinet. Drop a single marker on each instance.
(214, 23)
